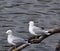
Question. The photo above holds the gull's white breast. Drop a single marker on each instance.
(10, 39)
(31, 30)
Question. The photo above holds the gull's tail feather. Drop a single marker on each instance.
(47, 33)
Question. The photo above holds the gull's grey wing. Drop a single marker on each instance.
(18, 40)
(38, 30)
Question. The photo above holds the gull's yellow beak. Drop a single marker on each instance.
(5, 32)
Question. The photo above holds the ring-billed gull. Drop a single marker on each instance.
(13, 40)
(36, 30)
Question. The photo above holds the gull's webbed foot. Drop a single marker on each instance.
(14, 49)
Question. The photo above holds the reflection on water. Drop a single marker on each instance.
(15, 15)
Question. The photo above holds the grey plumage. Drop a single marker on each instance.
(13, 40)
(36, 30)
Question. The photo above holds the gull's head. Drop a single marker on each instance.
(9, 32)
(31, 23)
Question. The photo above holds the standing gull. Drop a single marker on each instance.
(13, 40)
(34, 30)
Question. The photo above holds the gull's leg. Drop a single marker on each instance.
(35, 37)
(14, 48)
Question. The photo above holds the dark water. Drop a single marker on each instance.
(15, 15)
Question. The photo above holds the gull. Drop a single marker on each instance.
(34, 30)
(13, 40)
